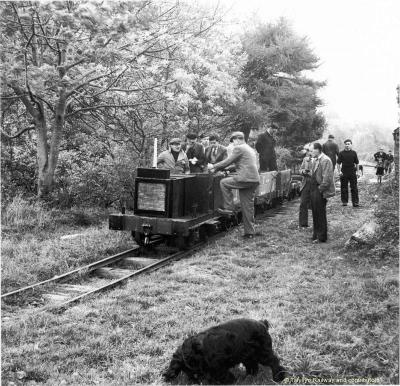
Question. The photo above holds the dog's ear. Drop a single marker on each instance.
(265, 323)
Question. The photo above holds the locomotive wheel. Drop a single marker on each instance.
(203, 233)
(138, 237)
(181, 242)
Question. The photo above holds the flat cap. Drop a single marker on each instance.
(237, 134)
(172, 140)
(331, 136)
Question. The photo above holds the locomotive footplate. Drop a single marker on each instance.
(158, 225)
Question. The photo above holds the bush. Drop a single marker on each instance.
(387, 216)
(21, 213)
(284, 158)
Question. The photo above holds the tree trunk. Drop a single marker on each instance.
(48, 156)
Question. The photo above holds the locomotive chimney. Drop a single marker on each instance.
(155, 153)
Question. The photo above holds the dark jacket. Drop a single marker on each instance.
(380, 154)
(348, 160)
(215, 154)
(244, 157)
(196, 151)
(265, 146)
(331, 149)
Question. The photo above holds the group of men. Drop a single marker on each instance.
(192, 156)
(317, 169)
(318, 182)
(198, 158)
(384, 162)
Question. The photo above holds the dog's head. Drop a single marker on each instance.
(192, 355)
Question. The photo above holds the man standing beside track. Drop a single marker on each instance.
(331, 149)
(305, 188)
(322, 187)
(246, 181)
(348, 160)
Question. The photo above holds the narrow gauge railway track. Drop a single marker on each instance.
(100, 276)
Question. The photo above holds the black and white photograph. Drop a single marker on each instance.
(199, 192)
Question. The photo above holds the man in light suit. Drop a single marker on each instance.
(215, 152)
(322, 187)
(305, 188)
(246, 181)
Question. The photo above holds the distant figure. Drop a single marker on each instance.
(322, 187)
(348, 160)
(265, 146)
(246, 181)
(174, 158)
(215, 152)
(380, 154)
(305, 188)
(195, 154)
(380, 169)
(389, 161)
(331, 149)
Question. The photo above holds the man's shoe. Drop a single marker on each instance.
(304, 226)
(225, 212)
(318, 241)
(356, 205)
(344, 203)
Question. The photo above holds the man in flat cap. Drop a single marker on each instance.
(331, 149)
(174, 158)
(246, 181)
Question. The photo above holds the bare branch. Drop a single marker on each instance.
(111, 106)
(22, 131)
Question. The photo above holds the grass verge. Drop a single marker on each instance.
(327, 306)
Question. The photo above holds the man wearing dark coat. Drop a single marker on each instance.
(265, 146)
(347, 164)
(215, 152)
(331, 149)
(195, 154)
(380, 155)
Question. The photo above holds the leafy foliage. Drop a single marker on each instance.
(89, 84)
(274, 78)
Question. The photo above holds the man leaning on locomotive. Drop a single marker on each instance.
(246, 180)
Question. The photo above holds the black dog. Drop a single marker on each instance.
(209, 355)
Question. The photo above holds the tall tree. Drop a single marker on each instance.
(85, 60)
(279, 93)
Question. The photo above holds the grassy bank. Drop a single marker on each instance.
(328, 307)
(36, 242)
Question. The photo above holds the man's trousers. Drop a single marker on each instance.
(305, 204)
(246, 195)
(344, 188)
(318, 207)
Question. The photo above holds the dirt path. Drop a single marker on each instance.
(327, 306)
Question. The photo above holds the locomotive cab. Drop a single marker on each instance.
(173, 206)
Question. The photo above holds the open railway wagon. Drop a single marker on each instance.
(182, 207)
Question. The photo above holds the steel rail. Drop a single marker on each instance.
(86, 268)
(114, 283)
(158, 264)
